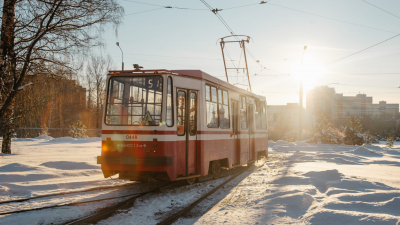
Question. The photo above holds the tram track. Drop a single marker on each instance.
(63, 194)
(175, 216)
(126, 203)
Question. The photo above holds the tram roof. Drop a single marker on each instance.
(191, 73)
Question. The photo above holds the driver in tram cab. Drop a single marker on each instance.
(222, 116)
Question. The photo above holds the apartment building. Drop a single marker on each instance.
(324, 100)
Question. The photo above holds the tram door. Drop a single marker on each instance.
(235, 128)
(251, 133)
(187, 126)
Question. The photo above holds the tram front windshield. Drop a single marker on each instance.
(134, 101)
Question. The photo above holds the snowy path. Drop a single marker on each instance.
(320, 184)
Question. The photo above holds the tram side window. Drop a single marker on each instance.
(211, 107)
(181, 106)
(243, 113)
(223, 109)
(170, 112)
(263, 115)
(258, 112)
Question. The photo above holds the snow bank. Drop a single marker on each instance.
(43, 137)
(301, 144)
(363, 151)
(280, 142)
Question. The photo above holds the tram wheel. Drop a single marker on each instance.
(191, 180)
(215, 169)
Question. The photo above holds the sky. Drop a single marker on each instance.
(187, 37)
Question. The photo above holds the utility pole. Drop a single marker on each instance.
(301, 102)
(242, 45)
(122, 56)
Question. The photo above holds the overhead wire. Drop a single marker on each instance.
(343, 21)
(168, 7)
(363, 49)
(362, 74)
(381, 9)
(143, 11)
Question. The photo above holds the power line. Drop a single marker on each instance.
(313, 14)
(169, 56)
(285, 7)
(363, 49)
(144, 11)
(381, 9)
(241, 6)
(143, 3)
(366, 86)
(168, 7)
(362, 74)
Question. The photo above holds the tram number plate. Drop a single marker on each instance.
(154, 83)
(131, 137)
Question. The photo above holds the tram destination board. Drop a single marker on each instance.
(154, 83)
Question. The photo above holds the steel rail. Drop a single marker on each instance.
(173, 218)
(107, 212)
(136, 195)
(65, 193)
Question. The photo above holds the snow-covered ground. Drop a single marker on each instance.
(300, 184)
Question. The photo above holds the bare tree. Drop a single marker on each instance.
(36, 34)
(96, 70)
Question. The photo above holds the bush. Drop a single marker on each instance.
(390, 141)
(353, 132)
(78, 130)
(323, 132)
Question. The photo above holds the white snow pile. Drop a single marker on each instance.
(363, 151)
(301, 144)
(291, 144)
(43, 137)
(280, 142)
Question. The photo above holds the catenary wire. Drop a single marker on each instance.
(364, 49)
(381, 9)
(313, 14)
(144, 11)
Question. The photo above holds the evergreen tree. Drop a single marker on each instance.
(390, 141)
(78, 130)
(353, 132)
(324, 132)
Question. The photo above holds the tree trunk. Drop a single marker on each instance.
(8, 130)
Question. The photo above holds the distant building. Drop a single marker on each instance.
(288, 115)
(324, 100)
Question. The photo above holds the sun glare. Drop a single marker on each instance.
(309, 72)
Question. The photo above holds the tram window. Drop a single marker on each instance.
(258, 115)
(220, 96)
(263, 115)
(208, 96)
(243, 113)
(211, 107)
(223, 109)
(180, 109)
(134, 101)
(170, 111)
(192, 115)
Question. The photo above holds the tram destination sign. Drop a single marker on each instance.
(154, 83)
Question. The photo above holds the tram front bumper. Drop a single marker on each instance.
(135, 161)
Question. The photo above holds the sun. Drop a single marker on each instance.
(310, 72)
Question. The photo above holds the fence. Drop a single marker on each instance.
(29, 132)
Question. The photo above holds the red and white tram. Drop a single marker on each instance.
(179, 124)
